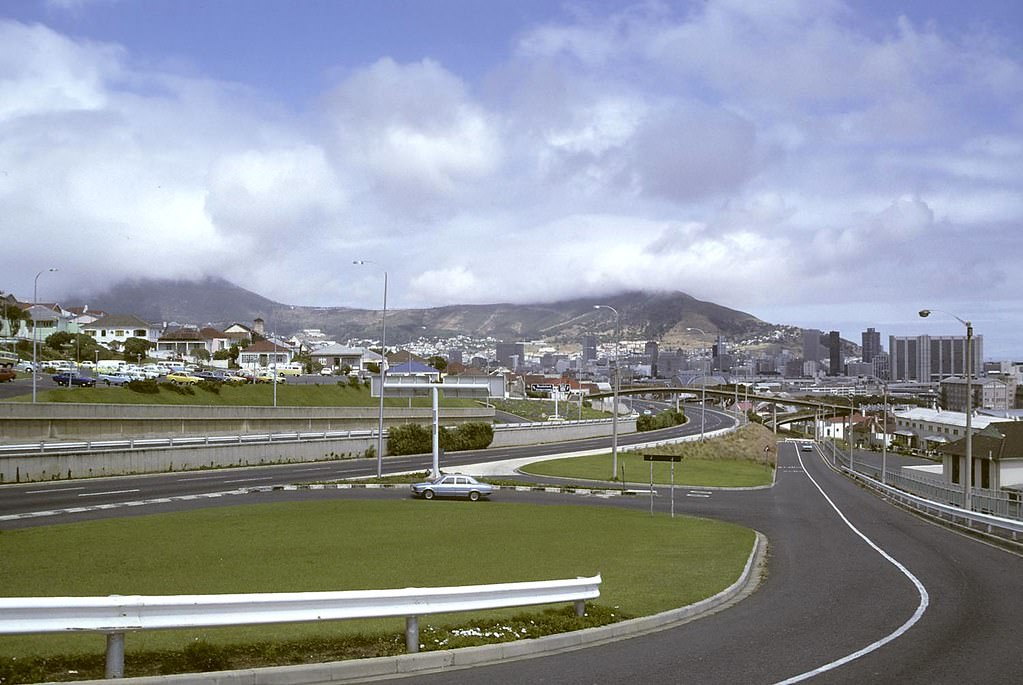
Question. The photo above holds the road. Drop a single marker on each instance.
(59, 495)
(829, 592)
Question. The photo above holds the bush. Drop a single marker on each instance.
(413, 438)
(665, 419)
(409, 438)
(179, 389)
(209, 386)
(148, 386)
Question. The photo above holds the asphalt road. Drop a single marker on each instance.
(60, 495)
(828, 593)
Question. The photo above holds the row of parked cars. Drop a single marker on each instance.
(107, 372)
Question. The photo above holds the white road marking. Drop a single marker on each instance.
(917, 615)
(47, 492)
(108, 492)
(248, 480)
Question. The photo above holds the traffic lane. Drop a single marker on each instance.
(28, 497)
(808, 611)
(975, 591)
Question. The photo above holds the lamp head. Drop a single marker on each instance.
(924, 313)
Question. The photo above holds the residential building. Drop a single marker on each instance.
(931, 358)
(997, 456)
(926, 429)
(264, 354)
(113, 329)
(988, 393)
(339, 356)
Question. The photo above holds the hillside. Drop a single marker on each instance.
(663, 316)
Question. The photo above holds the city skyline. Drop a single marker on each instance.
(820, 164)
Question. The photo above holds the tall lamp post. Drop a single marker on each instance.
(615, 388)
(383, 373)
(968, 479)
(884, 437)
(703, 392)
(35, 331)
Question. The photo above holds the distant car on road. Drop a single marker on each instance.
(807, 447)
(7, 375)
(68, 379)
(453, 485)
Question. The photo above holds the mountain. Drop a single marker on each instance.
(663, 316)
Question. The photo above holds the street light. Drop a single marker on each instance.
(703, 392)
(884, 437)
(968, 479)
(615, 389)
(35, 332)
(383, 372)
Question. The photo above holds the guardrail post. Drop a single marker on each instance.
(412, 634)
(580, 607)
(115, 655)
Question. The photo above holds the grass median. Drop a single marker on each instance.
(648, 564)
(745, 458)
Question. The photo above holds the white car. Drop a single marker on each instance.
(24, 367)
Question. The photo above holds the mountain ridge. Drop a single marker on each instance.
(653, 315)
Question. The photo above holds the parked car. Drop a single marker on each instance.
(24, 367)
(210, 375)
(452, 485)
(327, 371)
(113, 378)
(268, 377)
(69, 378)
(183, 378)
(7, 375)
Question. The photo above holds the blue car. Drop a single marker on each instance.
(452, 485)
(69, 379)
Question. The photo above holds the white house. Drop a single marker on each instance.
(116, 328)
(338, 356)
(263, 354)
(927, 429)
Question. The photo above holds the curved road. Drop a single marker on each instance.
(828, 592)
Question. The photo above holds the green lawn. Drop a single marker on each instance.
(706, 472)
(648, 563)
(539, 410)
(327, 394)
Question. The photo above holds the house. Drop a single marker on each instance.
(997, 456)
(46, 319)
(112, 330)
(182, 342)
(216, 341)
(338, 356)
(263, 354)
(414, 368)
(926, 429)
(240, 334)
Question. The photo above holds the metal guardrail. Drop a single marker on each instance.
(117, 614)
(997, 512)
(241, 439)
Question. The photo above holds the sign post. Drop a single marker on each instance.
(673, 458)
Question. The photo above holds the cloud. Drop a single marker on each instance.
(758, 155)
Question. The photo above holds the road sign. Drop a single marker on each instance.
(662, 457)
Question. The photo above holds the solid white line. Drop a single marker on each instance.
(109, 492)
(920, 609)
(47, 492)
(248, 480)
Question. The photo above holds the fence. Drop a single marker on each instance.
(997, 511)
(116, 615)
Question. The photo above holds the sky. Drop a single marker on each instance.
(820, 163)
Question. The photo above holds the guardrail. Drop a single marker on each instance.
(999, 515)
(117, 614)
(241, 439)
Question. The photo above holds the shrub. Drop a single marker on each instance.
(179, 389)
(413, 438)
(665, 419)
(148, 386)
(467, 436)
(209, 386)
(409, 438)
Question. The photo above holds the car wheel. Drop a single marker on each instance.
(427, 494)
(474, 496)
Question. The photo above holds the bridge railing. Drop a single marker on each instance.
(116, 615)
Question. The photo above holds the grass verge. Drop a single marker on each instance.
(744, 458)
(315, 546)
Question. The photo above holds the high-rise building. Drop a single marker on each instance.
(834, 353)
(929, 358)
(871, 342)
(650, 350)
(589, 348)
(511, 355)
(812, 348)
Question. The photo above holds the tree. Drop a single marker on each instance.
(134, 348)
(59, 341)
(14, 315)
(438, 362)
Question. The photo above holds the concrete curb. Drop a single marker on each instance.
(381, 667)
